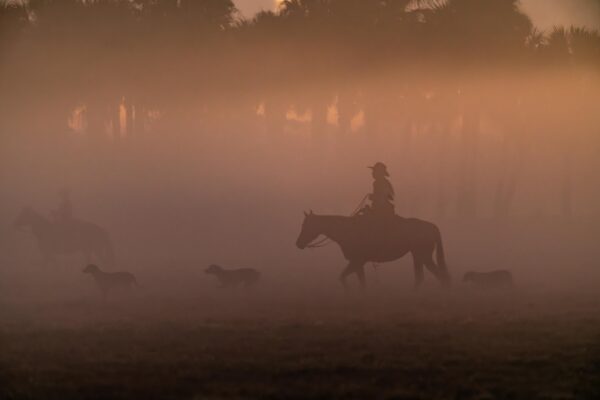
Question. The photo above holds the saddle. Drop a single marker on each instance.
(378, 222)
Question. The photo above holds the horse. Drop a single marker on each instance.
(67, 237)
(367, 238)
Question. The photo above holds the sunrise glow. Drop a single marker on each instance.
(301, 199)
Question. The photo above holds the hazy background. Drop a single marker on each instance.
(543, 13)
(194, 138)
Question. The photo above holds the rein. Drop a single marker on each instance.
(360, 205)
(326, 241)
(319, 243)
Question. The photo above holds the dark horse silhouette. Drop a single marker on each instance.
(67, 237)
(366, 239)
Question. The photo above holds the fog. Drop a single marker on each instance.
(189, 136)
(191, 153)
(546, 14)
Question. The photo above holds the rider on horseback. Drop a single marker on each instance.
(382, 198)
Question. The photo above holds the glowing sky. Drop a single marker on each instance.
(547, 13)
(544, 13)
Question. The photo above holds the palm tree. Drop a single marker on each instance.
(575, 53)
(469, 36)
(14, 22)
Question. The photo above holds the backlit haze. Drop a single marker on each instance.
(194, 133)
(544, 13)
(192, 146)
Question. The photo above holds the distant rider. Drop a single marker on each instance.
(382, 198)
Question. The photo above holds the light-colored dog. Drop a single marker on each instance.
(108, 281)
(493, 279)
(234, 277)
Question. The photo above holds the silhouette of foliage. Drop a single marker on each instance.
(403, 65)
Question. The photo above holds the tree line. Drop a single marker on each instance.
(121, 69)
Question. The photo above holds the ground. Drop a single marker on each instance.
(431, 345)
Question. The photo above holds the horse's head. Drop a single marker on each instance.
(25, 218)
(310, 230)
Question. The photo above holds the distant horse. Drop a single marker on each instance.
(67, 237)
(366, 239)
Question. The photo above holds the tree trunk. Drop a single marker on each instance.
(115, 116)
(507, 185)
(440, 207)
(275, 118)
(467, 179)
(129, 120)
(319, 120)
(567, 185)
(95, 116)
(345, 110)
(499, 210)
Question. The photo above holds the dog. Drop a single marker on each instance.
(234, 277)
(492, 280)
(107, 281)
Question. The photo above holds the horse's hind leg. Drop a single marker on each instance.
(419, 271)
(444, 274)
(440, 273)
(443, 269)
(347, 271)
(360, 273)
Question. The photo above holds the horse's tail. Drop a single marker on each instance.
(440, 256)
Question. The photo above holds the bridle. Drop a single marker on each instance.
(319, 243)
(326, 241)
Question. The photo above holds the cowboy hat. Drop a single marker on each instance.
(380, 167)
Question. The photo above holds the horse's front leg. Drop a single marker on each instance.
(354, 267)
(360, 273)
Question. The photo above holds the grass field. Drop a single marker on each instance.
(443, 345)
